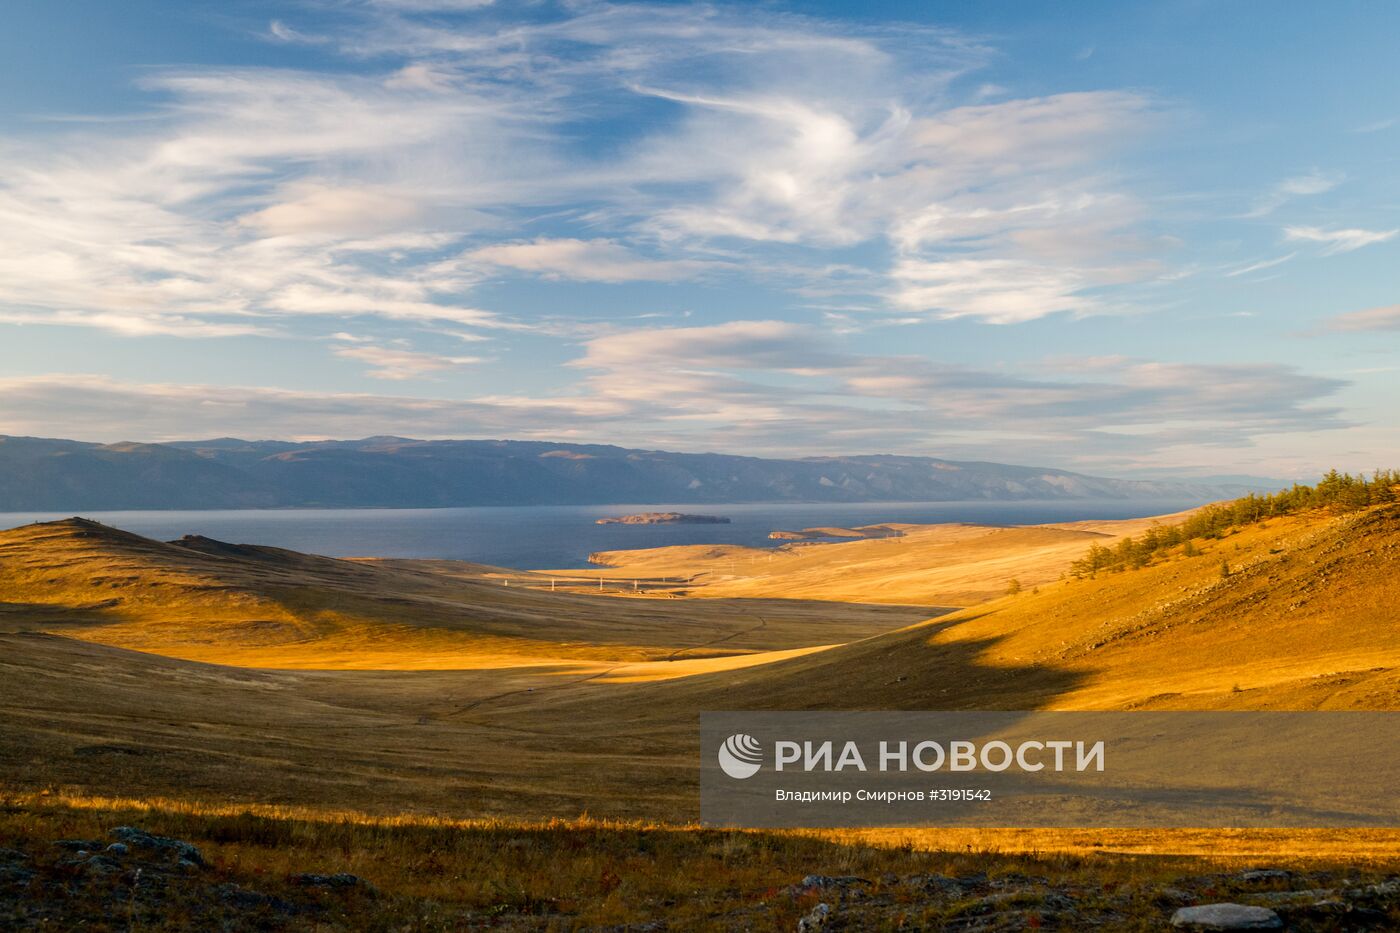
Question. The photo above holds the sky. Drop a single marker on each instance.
(1132, 239)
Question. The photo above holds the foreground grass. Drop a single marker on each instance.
(428, 874)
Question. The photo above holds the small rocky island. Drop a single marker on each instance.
(664, 518)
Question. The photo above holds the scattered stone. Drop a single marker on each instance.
(340, 880)
(141, 839)
(15, 874)
(1023, 899)
(1334, 914)
(827, 882)
(102, 865)
(243, 899)
(1011, 921)
(1257, 875)
(1174, 897)
(815, 919)
(1226, 917)
(938, 884)
(118, 848)
(1314, 894)
(1385, 891)
(78, 845)
(14, 868)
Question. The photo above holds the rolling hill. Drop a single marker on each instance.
(434, 687)
(204, 600)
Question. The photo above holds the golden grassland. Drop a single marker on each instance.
(257, 607)
(926, 565)
(380, 716)
(1305, 620)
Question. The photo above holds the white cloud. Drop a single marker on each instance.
(282, 32)
(189, 221)
(260, 193)
(397, 363)
(998, 291)
(735, 345)
(334, 211)
(1372, 319)
(1339, 240)
(1261, 265)
(1313, 183)
(761, 386)
(421, 77)
(432, 6)
(587, 261)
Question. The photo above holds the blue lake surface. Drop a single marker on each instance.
(540, 537)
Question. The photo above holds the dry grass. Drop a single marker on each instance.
(435, 873)
(928, 565)
(444, 735)
(268, 608)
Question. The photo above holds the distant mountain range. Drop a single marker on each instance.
(40, 474)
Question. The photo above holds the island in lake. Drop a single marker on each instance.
(664, 518)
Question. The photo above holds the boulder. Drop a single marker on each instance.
(1226, 917)
(815, 919)
(1258, 875)
(140, 839)
(78, 845)
(938, 884)
(340, 881)
(828, 882)
(244, 899)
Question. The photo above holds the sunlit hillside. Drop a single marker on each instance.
(1296, 612)
(1304, 619)
(936, 565)
(179, 685)
(263, 607)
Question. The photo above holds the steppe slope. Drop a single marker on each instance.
(933, 565)
(1306, 619)
(204, 600)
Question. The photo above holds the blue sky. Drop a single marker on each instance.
(1156, 238)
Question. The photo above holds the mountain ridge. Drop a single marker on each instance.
(46, 474)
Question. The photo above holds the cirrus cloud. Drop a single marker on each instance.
(714, 387)
(587, 261)
(1339, 240)
(1372, 319)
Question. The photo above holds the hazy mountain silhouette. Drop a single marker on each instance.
(61, 475)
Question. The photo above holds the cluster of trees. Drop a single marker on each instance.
(1338, 492)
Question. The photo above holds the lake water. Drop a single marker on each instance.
(540, 537)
